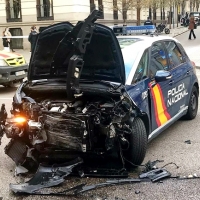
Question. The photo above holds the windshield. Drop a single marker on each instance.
(129, 53)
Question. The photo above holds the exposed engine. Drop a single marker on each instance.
(82, 125)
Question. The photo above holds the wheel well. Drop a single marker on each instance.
(145, 119)
(197, 86)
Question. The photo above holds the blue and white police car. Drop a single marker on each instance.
(165, 78)
(90, 92)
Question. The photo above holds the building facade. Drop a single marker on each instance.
(20, 15)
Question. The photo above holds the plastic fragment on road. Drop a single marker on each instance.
(155, 175)
(46, 176)
(188, 141)
(20, 170)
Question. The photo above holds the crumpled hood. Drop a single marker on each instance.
(96, 46)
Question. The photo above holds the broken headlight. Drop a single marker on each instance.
(15, 126)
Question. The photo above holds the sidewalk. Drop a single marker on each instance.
(176, 31)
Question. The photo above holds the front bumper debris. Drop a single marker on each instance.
(46, 176)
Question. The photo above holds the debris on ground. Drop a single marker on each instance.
(52, 175)
(137, 192)
(188, 141)
(155, 175)
(20, 170)
(46, 176)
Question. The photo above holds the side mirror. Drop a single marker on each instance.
(162, 75)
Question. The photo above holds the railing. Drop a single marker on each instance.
(13, 14)
(44, 12)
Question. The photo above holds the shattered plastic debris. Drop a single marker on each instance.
(103, 172)
(46, 176)
(194, 176)
(117, 198)
(108, 182)
(79, 189)
(188, 141)
(20, 170)
(155, 175)
(151, 165)
(137, 192)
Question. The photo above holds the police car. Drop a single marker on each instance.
(89, 92)
(161, 80)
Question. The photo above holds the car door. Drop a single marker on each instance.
(181, 73)
(138, 88)
(158, 90)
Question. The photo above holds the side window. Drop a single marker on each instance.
(158, 59)
(175, 55)
(182, 50)
(141, 71)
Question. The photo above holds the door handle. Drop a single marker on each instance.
(171, 82)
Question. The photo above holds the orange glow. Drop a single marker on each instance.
(19, 120)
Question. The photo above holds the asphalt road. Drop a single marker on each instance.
(170, 146)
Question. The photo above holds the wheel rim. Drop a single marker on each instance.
(193, 101)
(167, 31)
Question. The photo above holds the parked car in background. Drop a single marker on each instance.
(13, 68)
(196, 17)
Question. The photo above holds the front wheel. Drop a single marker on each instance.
(158, 30)
(9, 85)
(193, 105)
(167, 31)
(137, 143)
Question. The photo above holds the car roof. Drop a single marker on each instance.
(146, 41)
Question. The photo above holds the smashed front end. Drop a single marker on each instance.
(74, 103)
(62, 129)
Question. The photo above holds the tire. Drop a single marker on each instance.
(9, 85)
(13, 84)
(193, 105)
(137, 143)
(167, 31)
(159, 30)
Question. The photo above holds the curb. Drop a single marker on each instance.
(180, 34)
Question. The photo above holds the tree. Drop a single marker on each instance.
(183, 4)
(197, 5)
(123, 6)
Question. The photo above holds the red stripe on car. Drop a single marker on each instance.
(155, 106)
(163, 103)
(4, 55)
